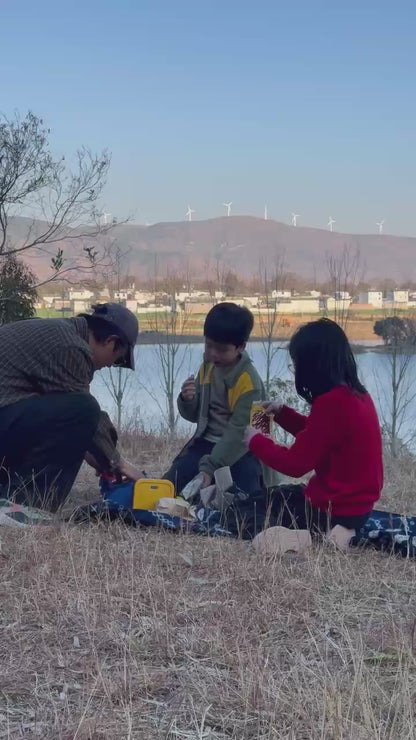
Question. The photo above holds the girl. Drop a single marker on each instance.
(340, 440)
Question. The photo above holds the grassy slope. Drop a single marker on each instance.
(113, 633)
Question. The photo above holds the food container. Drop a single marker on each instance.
(259, 419)
(147, 493)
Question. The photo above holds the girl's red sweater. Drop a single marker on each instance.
(341, 442)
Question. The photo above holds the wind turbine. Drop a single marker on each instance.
(295, 217)
(331, 223)
(266, 215)
(228, 207)
(189, 213)
(380, 225)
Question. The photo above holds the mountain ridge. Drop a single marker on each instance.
(241, 242)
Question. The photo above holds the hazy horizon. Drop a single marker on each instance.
(305, 107)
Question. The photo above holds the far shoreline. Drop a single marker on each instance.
(147, 338)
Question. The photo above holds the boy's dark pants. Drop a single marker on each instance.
(43, 441)
(246, 472)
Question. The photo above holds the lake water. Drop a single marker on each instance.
(144, 396)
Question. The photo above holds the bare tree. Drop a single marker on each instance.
(396, 390)
(168, 324)
(118, 384)
(271, 281)
(344, 273)
(118, 380)
(188, 276)
(208, 280)
(284, 391)
(57, 200)
(220, 271)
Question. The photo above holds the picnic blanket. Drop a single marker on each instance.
(383, 530)
(389, 532)
(16, 515)
(207, 521)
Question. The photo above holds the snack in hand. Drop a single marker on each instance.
(260, 420)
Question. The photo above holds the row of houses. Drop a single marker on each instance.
(308, 304)
(77, 300)
(194, 302)
(401, 299)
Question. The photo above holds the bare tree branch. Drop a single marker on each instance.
(118, 380)
(271, 281)
(168, 324)
(344, 271)
(399, 336)
(62, 202)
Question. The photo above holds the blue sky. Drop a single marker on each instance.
(308, 106)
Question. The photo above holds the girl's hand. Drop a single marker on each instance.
(272, 407)
(249, 434)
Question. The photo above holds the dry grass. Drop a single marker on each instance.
(400, 488)
(111, 633)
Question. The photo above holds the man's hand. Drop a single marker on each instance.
(249, 434)
(126, 468)
(129, 471)
(188, 389)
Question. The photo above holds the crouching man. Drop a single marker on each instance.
(49, 421)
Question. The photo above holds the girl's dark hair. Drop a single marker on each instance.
(323, 359)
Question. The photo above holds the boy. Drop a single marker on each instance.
(219, 401)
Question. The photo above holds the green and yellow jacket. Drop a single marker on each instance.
(244, 386)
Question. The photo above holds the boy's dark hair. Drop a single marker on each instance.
(228, 323)
(102, 330)
(323, 360)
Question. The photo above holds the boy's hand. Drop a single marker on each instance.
(207, 480)
(249, 434)
(188, 389)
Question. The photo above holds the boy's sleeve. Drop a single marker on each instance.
(231, 446)
(189, 410)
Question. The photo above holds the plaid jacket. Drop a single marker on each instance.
(41, 356)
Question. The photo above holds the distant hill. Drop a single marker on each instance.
(240, 241)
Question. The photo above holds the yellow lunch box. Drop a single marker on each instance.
(147, 492)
